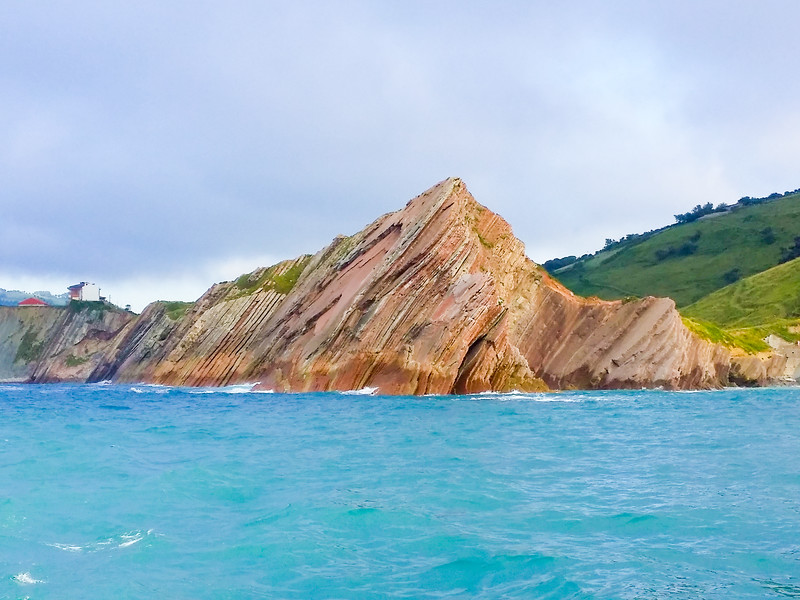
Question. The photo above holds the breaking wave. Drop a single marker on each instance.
(520, 397)
(123, 540)
(367, 391)
(26, 578)
(240, 388)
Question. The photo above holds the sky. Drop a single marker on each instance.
(158, 147)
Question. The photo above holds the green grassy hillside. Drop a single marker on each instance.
(769, 300)
(746, 312)
(689, 261)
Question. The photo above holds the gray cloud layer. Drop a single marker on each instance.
(152, 138)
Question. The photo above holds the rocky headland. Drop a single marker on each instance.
(435, 298)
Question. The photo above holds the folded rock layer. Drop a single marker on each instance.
(436, 298)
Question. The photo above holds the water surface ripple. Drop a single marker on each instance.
(145, 491)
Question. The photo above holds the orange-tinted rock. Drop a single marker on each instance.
(436, 298)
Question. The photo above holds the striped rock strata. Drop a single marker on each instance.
(436, 298)
(48, 344)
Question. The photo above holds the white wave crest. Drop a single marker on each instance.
(367, 391)
(241, 388)
(123, 540)
(152, 388)
(552, 398)
(67, 547)
(237, 389)
(26, 579)
(129, 539)
(522, 396)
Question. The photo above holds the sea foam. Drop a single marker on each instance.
(123, 540)
(366, 391)
(26, 578)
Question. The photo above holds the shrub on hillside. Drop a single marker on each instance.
(685, 249)
(791, 252)
(556, 263)
(732, 276)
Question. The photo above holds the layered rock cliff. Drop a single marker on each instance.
(46, 344)
(779, 365)
(436, 298)
(24, 332)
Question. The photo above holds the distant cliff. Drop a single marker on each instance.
(438, 297)
(45, 344)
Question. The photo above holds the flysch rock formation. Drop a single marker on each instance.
(48, 344)
(436, 298)
(23, 333)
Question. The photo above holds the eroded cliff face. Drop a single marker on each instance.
(49, 344)
(575, 342)
(779, 365)
(436, 298)
(24, 331)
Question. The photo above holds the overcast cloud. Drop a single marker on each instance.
(155, 147)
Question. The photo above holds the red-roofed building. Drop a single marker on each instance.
(33, 302)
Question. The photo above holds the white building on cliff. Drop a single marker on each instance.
(85, 291)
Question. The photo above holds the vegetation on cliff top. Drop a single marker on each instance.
(176, 310)
(78, 306)
(749, 340)
(689, 260)
(279, 278)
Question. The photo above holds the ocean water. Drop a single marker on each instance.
(117, 492)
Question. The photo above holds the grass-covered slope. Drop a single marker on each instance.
(689, 261)
(280, 277)
(750, 339)
(743, 314)
(765, 303)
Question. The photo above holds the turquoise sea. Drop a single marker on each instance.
(111, 491)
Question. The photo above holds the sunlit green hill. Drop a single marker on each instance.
(768, 302)
(688, 261)
(767, 296)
